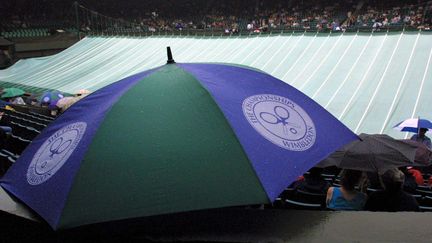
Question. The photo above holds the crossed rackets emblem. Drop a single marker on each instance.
(280, 115)
(57, 147)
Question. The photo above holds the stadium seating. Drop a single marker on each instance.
(4, 163)
(424, 191)
(276, 15)
(426, 204)
(17, 144)
(7, 158)
(305, 200)
(25, 127)
(298, 199)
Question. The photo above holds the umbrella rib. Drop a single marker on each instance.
(373, 163)
(400, 153)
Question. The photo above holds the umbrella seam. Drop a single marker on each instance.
(233, 131)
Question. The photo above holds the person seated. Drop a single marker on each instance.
(17, 100)
(393, 198)
(346, 197)
(417, 175)
(313, 182)
(410, 184)
(31, 99)
(4, 103)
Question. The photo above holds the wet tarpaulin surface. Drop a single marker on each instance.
(369, 81)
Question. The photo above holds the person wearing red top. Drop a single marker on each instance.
(417, 175)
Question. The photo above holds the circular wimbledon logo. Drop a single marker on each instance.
(54, 152)
(280, 120)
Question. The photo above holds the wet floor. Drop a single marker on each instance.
(237, 225)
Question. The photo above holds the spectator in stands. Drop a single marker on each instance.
(3, 103)
(249, 27)
(32, 100)
(422, 138)
(54, 111)
(16, 100)
(393, 198)
(410, 183)
(313, 182)
(346, 197)
(417, 175)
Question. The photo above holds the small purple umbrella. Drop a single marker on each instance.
(50, 98)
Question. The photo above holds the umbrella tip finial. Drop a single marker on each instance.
(169, 54)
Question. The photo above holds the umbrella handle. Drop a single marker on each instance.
(418, 125)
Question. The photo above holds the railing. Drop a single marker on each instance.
(41, 32)
(221, 32)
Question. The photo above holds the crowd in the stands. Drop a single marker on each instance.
(230, 16)
(53, 101)
(393, 190)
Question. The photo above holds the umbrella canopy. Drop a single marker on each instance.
(375, 153)
(65, 102)
(176, 138)
(12, 92)
(423, 156)
(413, 125)
(51, 98)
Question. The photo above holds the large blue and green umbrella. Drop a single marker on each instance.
(177, 138)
